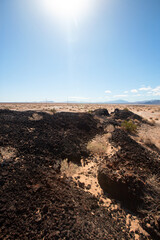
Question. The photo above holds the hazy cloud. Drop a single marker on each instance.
(107, 91)
(151, 91)
(157, 89)
(156, 94)
(145, 88)
(120, 95)
(145, 92)
(138, 95)
(80, 98)
(134, 90)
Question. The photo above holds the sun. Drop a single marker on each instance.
(66, 9)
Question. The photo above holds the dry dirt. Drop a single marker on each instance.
(49, 172)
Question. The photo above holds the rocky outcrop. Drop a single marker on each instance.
(132, 176)
(125, 114)
(121, 185)
(61, 135)
(101, 112)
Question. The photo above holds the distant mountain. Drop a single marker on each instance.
(47, 101)
(149, 102)
(76, 102)
(119, 101)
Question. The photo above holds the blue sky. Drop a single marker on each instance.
(109, 50)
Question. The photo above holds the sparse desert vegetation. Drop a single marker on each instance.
(53, 110)
(99, 145)
(129, 126)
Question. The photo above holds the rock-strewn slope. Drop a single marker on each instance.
(132, 175)
(37, 202)
(61, 135)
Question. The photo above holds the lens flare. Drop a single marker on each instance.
(66, 9)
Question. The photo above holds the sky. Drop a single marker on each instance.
(79, 50)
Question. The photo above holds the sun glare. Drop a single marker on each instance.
(67, 9)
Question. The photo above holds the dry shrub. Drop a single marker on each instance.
(126, 109)
(89, 111)
(53, 110)
(35, 117)
(110, 128)
(99, 145)
(68, 168)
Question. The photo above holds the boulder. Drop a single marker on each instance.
(125, 186)
(101, 112)
(125, 114)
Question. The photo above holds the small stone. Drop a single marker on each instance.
(148, 225)
(88, 186)
(78, 177)
(45, 209)
(101, 201)
(4, 173)
(12, 208)
(81, 185)
(36, 187)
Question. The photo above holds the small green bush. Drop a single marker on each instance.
(53, 110)
(126, 109)
(129, 126)
(90, 111)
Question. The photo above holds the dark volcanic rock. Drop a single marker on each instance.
(127, 187)
(101, 112)
(35, 202)
(134, 155)
(126, 114)
(62, 135)
(132, 176)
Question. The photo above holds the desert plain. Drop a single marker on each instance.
(149, 112)
(75, 171)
